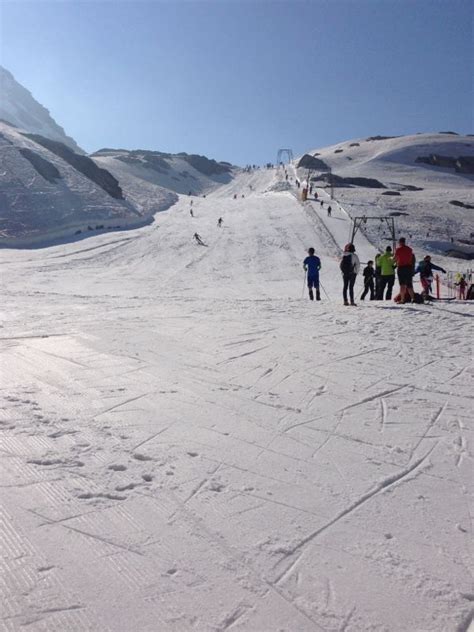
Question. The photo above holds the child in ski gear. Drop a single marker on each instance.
(349, 267)
(405, 260)
(312, 265)
(425, 268)
(387, 274)
(462, 285)
(368, 275)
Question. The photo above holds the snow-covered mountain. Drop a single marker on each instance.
(20, 108)
(426, 181)
(48, 191)
(141, 171)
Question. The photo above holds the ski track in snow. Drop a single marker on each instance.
(187, 443)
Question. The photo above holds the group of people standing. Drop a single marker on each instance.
(378, 280)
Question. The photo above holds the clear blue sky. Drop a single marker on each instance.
(238, 80)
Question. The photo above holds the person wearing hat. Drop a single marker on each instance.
(425, 269)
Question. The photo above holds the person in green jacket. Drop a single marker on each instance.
(377, 275)
(387, 274)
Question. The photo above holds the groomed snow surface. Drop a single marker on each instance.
(189, 444)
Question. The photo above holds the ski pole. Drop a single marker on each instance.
(322, 287)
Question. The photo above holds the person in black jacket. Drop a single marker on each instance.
(368, 275)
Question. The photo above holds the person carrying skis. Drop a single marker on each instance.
(219, 222)
(405, 260)
(425, 268)
(387, 274)
(349, 266)
(368, 275)
(312, 265)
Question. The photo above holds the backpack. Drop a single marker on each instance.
(346, 265)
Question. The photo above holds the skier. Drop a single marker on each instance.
(368, 275)
(312, 265)
(219, 222)
(191, 212)
(462, 285)
(329, 211)
(349, 267)
(322, 203)
(387, 274)
(425, 268)
(198, 239)
(405, 260)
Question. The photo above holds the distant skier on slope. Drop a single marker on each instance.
(329, 211)
(191, 212)
(349, 266)
(425, 269)
(312, 265)
(198, 239)
(219, 222)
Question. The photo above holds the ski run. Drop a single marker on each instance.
(188, 443)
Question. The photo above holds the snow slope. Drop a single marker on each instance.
(43, 197)
(186, 444)
(427, 217)
(20, 108)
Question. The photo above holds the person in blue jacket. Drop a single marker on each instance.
(425, 268)
(312, 265)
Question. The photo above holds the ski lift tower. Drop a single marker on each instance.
(386, 221)
(281, 153)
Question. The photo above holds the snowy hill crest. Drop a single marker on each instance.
(19, 108)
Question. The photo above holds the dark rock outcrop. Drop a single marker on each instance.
(465, 164)
(381, 137)
(206, 166)
(339, 181)
(46, 169)
(83, 164)
(391, 193)
(461, 204)
(311, 162)
(354, 145)
(435, 160)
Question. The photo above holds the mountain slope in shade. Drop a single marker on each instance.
(182, 173)
(47, 191)
(20, 108)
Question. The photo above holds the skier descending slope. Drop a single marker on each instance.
(349, 266)
(198, 239)
(312, 265)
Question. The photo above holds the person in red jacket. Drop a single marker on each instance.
(405, 260)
